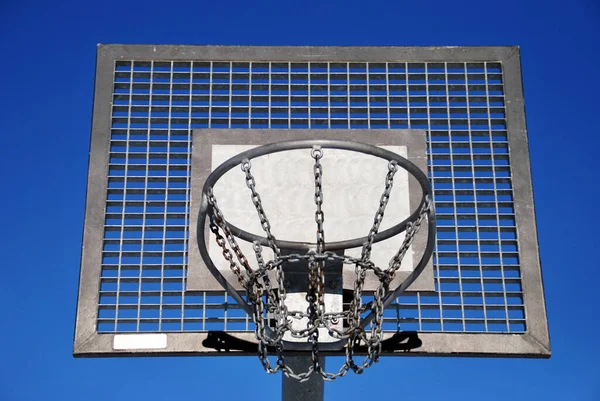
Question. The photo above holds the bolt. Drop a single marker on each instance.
(287, 283)
(334, 320)
(333, 284)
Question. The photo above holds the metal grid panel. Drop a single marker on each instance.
(156, 104)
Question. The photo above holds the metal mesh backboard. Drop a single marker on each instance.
(139, 290)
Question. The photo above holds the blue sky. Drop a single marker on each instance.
(47, 71)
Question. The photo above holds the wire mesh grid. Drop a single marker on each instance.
(157, 104)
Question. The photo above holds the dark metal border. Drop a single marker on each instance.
(534, 343)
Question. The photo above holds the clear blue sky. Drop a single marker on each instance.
(48, 55)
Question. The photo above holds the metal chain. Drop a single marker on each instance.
(411, 230)
(383, 201)
(270, 302)
(278, 299)
(316, 291)
(317, 154)
(360, 270)
(220, 221)
(264, 221)
(226, 252)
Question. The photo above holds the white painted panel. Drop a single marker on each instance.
(352, 186)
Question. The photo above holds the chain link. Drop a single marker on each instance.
(269, 302)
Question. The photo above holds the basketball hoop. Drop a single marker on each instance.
(265, 299)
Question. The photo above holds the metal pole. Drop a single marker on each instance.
(293, 390)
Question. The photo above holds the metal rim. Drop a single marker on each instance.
(303, 144)
(307, 144)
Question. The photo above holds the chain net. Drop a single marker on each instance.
(268, 298)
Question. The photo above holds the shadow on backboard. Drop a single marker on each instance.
(402, 341)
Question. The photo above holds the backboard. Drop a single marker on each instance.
(165, 116)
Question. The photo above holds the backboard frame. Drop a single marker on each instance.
(534, 342)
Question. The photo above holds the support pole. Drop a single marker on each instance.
(310, 390)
